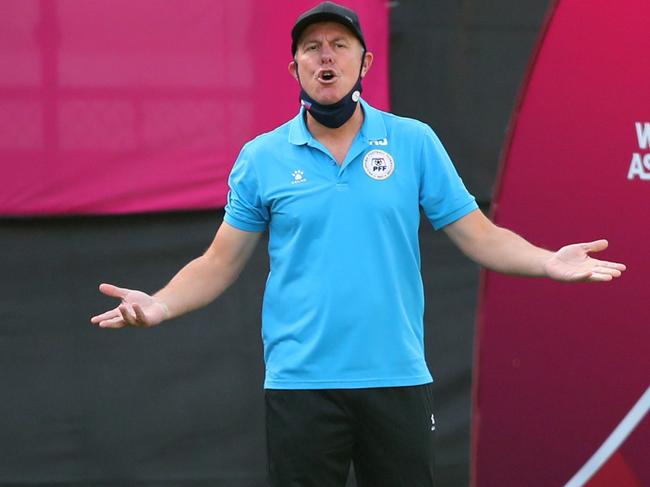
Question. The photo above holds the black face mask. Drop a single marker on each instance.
(336, 114)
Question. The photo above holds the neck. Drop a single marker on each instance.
(348, 130)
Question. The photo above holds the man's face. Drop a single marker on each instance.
(328, 61)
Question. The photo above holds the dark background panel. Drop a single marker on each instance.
(458, 65)
(179, 403)
(163, 405)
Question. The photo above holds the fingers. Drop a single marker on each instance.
(606, 271)
(120, 317)
(105, 316)
(110, 319)
(116, 322)
(612, 265)
(113, 291)
(124, 314)
(600, 277)
(139, 314)
(128, 315)
(133, 315)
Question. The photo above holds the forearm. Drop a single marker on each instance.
(205, 278)
(503, 251)
(497, 248)
(197, 284)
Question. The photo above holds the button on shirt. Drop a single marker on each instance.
(344, 302)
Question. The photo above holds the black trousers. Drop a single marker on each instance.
(314, 435)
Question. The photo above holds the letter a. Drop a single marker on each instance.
(636, 168)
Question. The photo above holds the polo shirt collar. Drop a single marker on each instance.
(373, 127)
(298, 132)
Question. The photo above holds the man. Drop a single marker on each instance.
(340, 189)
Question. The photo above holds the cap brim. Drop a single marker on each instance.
(302, 25)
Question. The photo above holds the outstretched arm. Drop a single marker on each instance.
(197, 284)
(501, 250)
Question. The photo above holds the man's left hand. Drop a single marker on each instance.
(573, 263)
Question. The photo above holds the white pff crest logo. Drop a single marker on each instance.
(433, 423)
(378, 164)
(298, 177)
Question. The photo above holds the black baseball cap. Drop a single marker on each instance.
(323, 12)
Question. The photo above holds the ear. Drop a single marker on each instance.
(293, 69)
(367, 62)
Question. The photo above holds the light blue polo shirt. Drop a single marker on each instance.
(344, 301)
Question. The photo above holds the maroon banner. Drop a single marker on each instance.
(563, 370)
(122, 106)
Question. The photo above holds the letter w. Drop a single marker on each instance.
(643, 134)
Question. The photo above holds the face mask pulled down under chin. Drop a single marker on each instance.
(335, 114)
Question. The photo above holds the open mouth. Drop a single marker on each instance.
(326, 75)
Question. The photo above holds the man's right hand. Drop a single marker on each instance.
(136, 309)
(198, 283)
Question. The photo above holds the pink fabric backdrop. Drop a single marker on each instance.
(560, 366)
(121, 106)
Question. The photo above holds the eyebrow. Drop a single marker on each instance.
(336, 39)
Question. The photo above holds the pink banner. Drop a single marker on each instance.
(120, 106)
(562, 388)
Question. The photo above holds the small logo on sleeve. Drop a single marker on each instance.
(378, 164)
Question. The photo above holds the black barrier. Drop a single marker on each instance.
(181, 403)
(458, 65)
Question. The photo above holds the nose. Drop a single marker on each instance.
(326, 54)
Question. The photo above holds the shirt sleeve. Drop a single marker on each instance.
(443, 195)
(244, 208)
